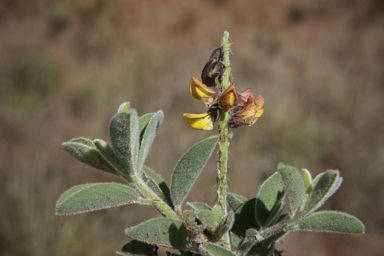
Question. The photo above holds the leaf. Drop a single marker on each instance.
(95, 196)
(270, 200)
(294, 187)
(157, 185)
(189, 168)
(197, 206)
(235, 200)
(307, 181)
(124, 134)
(149, 136)
(216, 210)
(143, 122)
(332, 221)
(225, 225)
(85, 151)
(259, 250)
(324, 185)
(137, 248)
(163, 232)
(244, 219)
(207, 219)
(125, 107)
(209, 249)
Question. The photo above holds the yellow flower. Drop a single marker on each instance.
(229, 98)
(199, 121)
(202, 92)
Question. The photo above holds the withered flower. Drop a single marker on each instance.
(249, 113)
(213, 68)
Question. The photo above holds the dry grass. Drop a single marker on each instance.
(65, 66)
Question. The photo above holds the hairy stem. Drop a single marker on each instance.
(162, 207)
(222, 163)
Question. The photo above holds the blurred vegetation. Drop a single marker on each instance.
(65, 67)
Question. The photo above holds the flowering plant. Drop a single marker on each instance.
(285, 202)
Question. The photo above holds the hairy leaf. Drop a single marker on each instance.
(137, 248)
(189, 168)
(332, 221)
(197, 206)
(208, 219)
(95, 196)
(260, 250)
(294, 187)
(226, 224)
(270, 200)
(85, 150)
(244, 219)
(324, 185)
(163, 232)
(307, 181)
(124, 134)
(157, 185)
(143, 122)
(209, 249)
(235, 201)
(149, 136)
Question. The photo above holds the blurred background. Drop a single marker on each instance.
(66, 66)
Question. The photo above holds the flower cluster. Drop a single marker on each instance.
(244, 108)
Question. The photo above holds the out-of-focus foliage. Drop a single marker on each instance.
(318, 64)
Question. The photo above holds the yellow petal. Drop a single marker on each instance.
(200, 90)
(229, 98)
(259, 113)
(259, 101)
(199, 121)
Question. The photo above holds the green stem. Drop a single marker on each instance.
(222, 163)
(162, 207)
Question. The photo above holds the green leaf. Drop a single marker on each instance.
(244, 219)
(332, 221)
(270, 200)
(149, 136)
(189, 168)
(95, 196)
(124, 107)
(143, 122)
(196, 206)
(188, 253)
(260, 250)
(124, 133)
(294, 187)
(157, 185)
(137, 248)
(85, 150)
(207, 219)
(225, 225)
(324, 185)
(307, 181)
(235, 200)
(163, 232)
(216, 210)
(209, 249)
